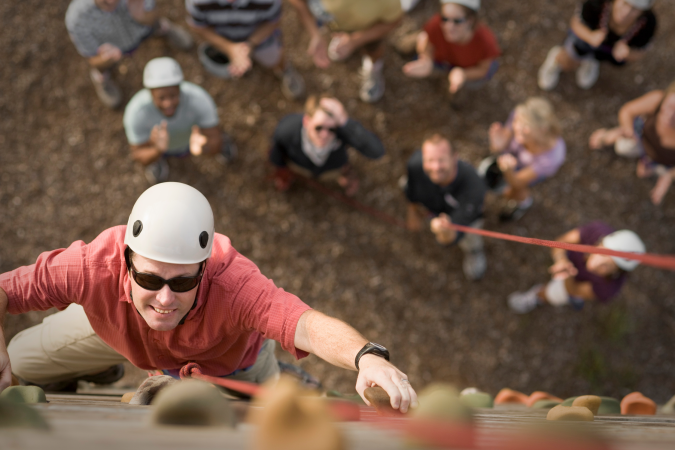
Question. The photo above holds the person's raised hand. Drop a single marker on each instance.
(597, 139)
(376, 371)
(109, 52)
(562, 269)
(240, 59)
(341, 47)
(318, 50)
(499, 137)
(160, 137)
(507, 162)
(456, 78)
(620, 51)
(335, 109)
(597, 37)
(420, 68)
(197, 141)
(661, 187)
(136, 9)
(5, 370)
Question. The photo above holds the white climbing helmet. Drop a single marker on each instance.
(172, 223)
(624, 241)
(643, 5)
(471, 4)
(162, 72)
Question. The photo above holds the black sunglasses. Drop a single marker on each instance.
(320, 128)
(455, 20)
(155, 283)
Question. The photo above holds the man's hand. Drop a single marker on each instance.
(197, 141)
(109, 53)
(340, 47)
(159, 136)
(597, 37)
(562, 269)
(420, 68)
(620, 51)
(240, 59)
(500, 136)
(376, 371)
(440, 226)
(507, 162)
(457, 78)
(136, 9)
(335, 109)
(318, 50)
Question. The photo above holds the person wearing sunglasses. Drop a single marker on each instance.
(314, 145)
(457, 43)
(166, 290)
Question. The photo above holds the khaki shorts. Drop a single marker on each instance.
(64, 346)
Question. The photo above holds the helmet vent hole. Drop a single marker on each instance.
(138, 227)
(203, 239)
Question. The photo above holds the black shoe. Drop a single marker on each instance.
(108, 376)
(513, 211)
(305, 378)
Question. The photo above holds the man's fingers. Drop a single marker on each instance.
(403, 386)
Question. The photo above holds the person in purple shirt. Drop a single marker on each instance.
(576, 277)
(527, 149)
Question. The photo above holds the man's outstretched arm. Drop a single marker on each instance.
(338, 343)
(5, 367)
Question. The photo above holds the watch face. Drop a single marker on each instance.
(378, 346)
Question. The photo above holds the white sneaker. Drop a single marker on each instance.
(372, 84)
(157, 172)
(587, 73)
(474, 265)
(524, 302)
(549, 72)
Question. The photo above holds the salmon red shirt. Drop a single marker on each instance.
(483, 45)
(237, 307)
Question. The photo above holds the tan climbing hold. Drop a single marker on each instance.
(126, 398)
(441, 402)
(636, 403)
(289, 421)
(192, 402)
(669, 408)
(570, 413)
(147, 391)
(379, 399)
(592, 402)
(541, 395)
(509, 396)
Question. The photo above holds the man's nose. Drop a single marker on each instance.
(165, 296)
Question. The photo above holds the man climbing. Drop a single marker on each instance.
(166, 290)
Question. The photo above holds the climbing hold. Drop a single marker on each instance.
(441, 402)
(24, 394)
(544, 404)
(636, 403)
(669, 408)
(510, 396)
(592, 402)
(379, 399)
(476, 399)
(192, 402)
(150, 388)
(608, 405)
(288, 421)
(19, 415)
(541, 395)
(570, 413)
(126, 398)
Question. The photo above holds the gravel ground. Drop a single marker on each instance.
(65, 175)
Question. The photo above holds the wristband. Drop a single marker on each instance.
(374, 349)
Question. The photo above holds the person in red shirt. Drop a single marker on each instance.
(456, 41)
(167, 290)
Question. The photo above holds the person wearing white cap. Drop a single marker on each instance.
(576, 277)
(614, 31)
(457, 43)
(166, 290)
(105, 31)
(172, 117)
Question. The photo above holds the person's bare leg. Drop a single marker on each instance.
(566, 62)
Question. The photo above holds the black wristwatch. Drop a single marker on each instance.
(374, 349)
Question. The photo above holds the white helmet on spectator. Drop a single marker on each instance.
(643, 5)
(472, 4)
(624, 241)
(162, 72)
(172, 223)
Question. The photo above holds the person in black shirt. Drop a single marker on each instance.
(616, 31)
(438, 184)
(315, 145)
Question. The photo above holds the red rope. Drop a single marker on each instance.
(193, 370)
(649, 259)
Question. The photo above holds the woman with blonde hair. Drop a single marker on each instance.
(646, 131)
(527, 149)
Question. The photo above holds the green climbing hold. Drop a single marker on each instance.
(193, 403)
(477, 400)
(545, 404)
(441, 402)
(19, 415)
(609, 405)
(24, 394)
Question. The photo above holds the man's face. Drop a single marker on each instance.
(456, 26)
(439, 162)
(107, 5)
(601, 265)
(166, 99)
(319, 128)
(162, 309)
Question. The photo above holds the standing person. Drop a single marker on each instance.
(238, 32)
(166, 290)
(457, 43)
(578, 278)
(172, 118)
(440, 185)
(646, 131)
(351, 25)
(615, 31)
(314, 144)
(104, 31)
(528, 149)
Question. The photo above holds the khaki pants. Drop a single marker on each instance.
(64, 346)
